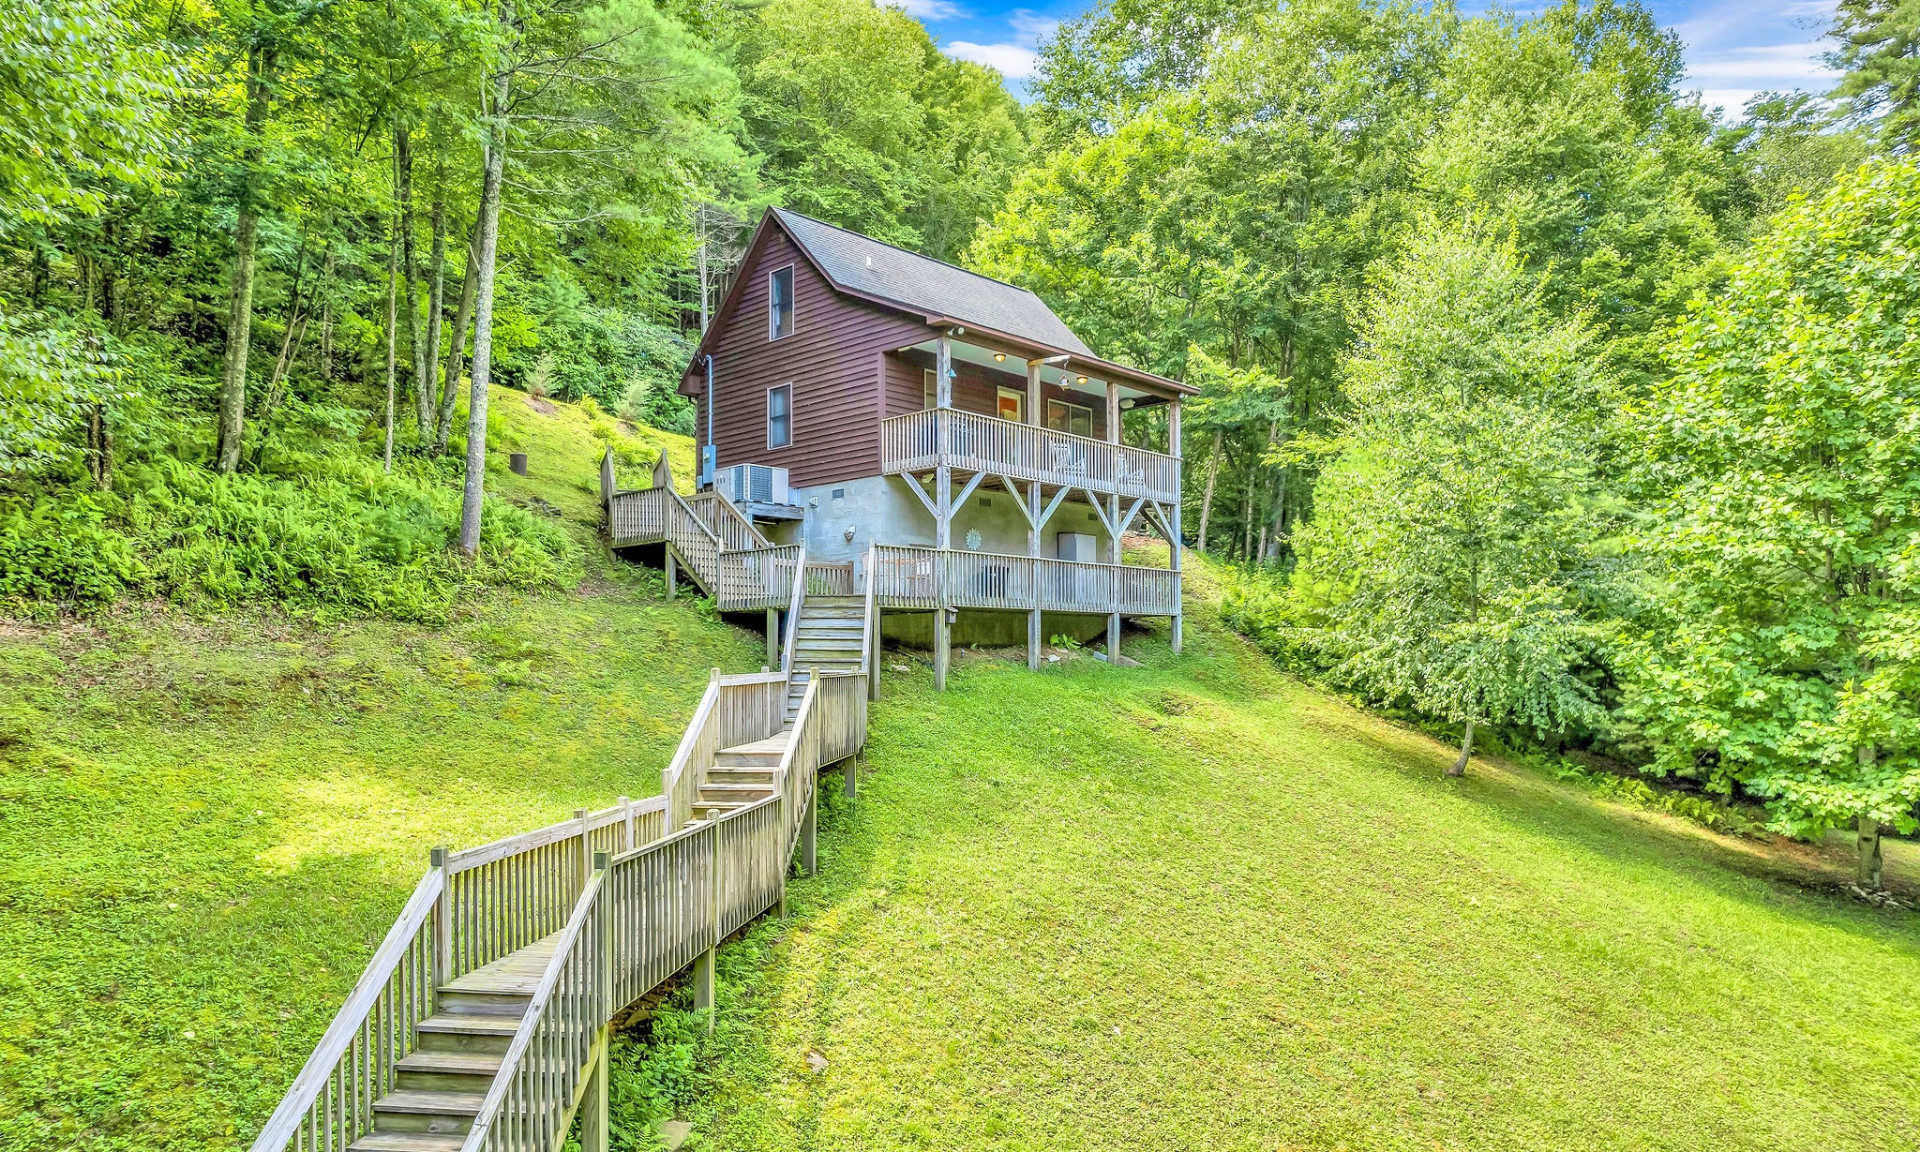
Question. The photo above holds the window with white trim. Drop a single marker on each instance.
(780, 302)
(780, 416)
(929, 389)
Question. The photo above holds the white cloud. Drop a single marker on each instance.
(1013, 61)
(1764, 65)
(1732, 101)
(929, 9)
(1030, 27)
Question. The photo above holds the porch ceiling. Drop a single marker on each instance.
(1068, 379)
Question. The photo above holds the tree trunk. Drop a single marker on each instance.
(423, 396)
(1206, 501)
(1246, 521)
(436, 300)
(443, 425)
(489, 237)
(393, 302)
(1867, 843)
(1459, 767)
(233, 378)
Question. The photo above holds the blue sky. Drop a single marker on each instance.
(1734, 47)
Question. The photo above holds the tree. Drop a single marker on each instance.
(1878, 47)
(1784, 533)
(1449, 533)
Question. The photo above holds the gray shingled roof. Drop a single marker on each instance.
(861, 264)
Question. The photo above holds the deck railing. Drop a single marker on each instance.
(927, 578)
(734, 710)
(330, 1104)
(918, 441)
(733, 562)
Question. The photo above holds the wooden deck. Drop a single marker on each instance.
(515, 974)
(970, 443)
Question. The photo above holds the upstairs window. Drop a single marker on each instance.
(780, 303)
(780, 416)
(1074, 418)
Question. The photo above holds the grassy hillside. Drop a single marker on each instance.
(1192, 905)
(1199, 906)
(207, 823)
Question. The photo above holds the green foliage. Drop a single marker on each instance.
(1784, 469)
(1447, 546)
(1877, 45)
(1632, 790)
(51, 375)
(863, 123)
(80, 103)
(350, 541)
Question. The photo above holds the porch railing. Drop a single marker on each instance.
(927, 578)
(921, 440)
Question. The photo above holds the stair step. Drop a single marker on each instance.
(759, 775)
(427, 1103)
(744, 792)
(829, 601)
(452, 1063)
(409, 1142)
(469, 1024)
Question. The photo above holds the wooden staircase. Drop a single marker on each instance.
(440, 1085)
(831, 636)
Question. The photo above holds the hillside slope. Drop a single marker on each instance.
(1196, 905)
(206, 823)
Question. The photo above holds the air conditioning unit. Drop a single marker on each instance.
(1076, 546)
(754, 484)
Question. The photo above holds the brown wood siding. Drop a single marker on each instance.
(832, 359)
(975, 388)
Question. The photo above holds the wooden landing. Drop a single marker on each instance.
(515, 974)
(773, 745)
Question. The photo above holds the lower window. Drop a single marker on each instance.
(780, 416)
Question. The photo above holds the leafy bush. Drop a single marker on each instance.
(1637, 793)
(344, 539)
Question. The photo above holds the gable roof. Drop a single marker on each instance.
(866, 267)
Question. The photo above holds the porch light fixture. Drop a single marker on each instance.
(999, 356)
(1080, 380)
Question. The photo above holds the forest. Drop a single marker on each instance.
(1537, 398)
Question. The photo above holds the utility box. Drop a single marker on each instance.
(1077, 546)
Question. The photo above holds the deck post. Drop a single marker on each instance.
(594, 1130)
(942, 652)
(1174, 545)
(670, 573)
(703, 985)
(626, 820)
(773, 636)
(442, 920)
(851, 770)
(703, 964)
(809, 829)
(593, 1106)
(586, 847)
(1113, 637)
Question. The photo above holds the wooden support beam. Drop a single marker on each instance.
(809, 834)
(670, 571)
(1113, 413)
(594, 1129)
(966, 490)
(1126, 521)
(943, 498)
(1033, 393)
(851, 770)
(703, 976)
(1113, 638)
(1033, 640)
(942, 650)
(773, 637)
(1020, 498)
(933, 509)
(1052, 507)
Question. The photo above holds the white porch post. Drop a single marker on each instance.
(943, 475)
(1113, 502)
(1174, 546)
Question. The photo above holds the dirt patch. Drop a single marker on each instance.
(544, 407)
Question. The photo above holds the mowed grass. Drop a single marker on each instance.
(1197, 905)
(207, 823)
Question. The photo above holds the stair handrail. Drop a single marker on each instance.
(676, 768)
(584, 910)
(793, 610)
(796, 797)
(350, 1024)
(870, 633)
(734, 513)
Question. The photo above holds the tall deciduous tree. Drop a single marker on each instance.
(1785, 540)
(1450, 530)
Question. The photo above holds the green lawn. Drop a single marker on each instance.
(1200, 906)
(206, 824)
(1192, 905)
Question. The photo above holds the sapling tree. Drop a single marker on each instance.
(1784, 543)
(1451, 528)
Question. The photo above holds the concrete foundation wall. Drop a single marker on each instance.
(988, 629)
